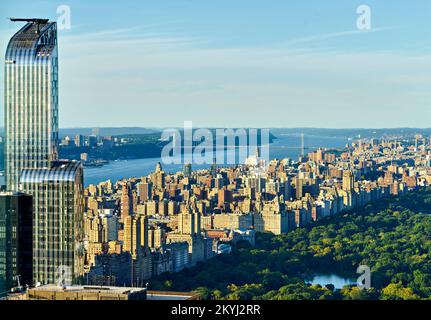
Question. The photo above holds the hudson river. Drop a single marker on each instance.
(285, 146)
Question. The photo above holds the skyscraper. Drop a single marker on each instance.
(348, 181)
(126, 203)
(136, 242)
(187, 170)
(145, 191)
(15, 240)
(158, 177)
(79, 140)
(31, 99)
(58, 220)
(31, 158)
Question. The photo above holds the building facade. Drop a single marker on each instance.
(31, 153)
(58, 207)
(15, 240)
(31, 100)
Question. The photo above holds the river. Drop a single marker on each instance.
(286, 145)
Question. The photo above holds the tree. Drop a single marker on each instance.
(396, 291)
(203, 293)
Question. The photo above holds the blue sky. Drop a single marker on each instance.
(250, 63)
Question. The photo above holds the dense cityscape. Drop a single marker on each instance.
(262, 229)
(166, 222)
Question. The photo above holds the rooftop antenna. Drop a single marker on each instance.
(35, 21)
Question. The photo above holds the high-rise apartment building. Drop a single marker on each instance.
(189, 230)
(109, 227)
(136, 242)
(135, 234)
(31, 100)
(79, 140)
(187, 170)
(158, 177)
(126, 203)
(145, 191)
(58, 220)
(31, 156)
(348, 181)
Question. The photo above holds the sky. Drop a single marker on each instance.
(242, 63)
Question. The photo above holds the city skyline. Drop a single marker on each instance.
(292, 66)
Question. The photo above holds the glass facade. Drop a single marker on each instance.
(31, 156)
(58, 220)
(15, 240)
(31, 100)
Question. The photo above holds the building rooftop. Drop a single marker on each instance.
(59, 171)
(170, 295)
(89, 288)
(31, 38)
(86, 292)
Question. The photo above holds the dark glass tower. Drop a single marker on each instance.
(16, 239)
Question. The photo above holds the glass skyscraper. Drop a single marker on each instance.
(58, 221)
(31, 156)
(31, 100)
(16, 240)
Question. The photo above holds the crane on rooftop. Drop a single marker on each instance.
(36, 21)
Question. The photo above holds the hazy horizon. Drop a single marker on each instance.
(245, 127)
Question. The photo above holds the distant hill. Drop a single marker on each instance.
(354, 132)
(107, 131)
(350, 132)
(118, 131)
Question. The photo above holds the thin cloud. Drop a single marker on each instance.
(321, 37)
(140, 35)
(119, 32)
